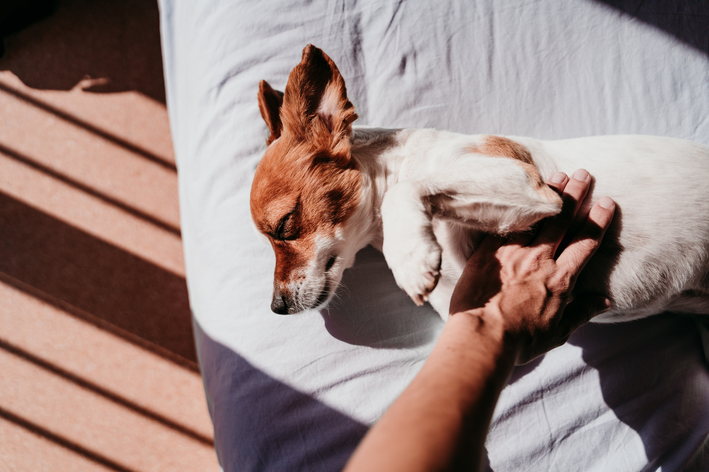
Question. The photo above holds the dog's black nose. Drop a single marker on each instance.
(279, 305)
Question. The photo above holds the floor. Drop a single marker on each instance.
(97, 362)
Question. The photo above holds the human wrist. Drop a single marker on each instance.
(486, 328)
(488, 325)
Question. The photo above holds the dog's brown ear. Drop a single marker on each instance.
(315, 105)
(269, 103)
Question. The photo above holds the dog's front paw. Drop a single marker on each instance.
(416, 265)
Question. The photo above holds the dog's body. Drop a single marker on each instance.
(325, 190)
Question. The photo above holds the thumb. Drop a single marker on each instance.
(580, 311)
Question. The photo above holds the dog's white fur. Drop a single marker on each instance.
(427, 196)
(656, 254)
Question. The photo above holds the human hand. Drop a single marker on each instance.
(520, 286)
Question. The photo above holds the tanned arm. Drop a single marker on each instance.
(510, 305)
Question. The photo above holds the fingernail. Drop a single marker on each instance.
(581, 175)
(558, 178)
(606, 203)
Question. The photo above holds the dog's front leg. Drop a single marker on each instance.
(410, 248)
(489, 194)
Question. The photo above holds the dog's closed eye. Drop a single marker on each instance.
(287, 229)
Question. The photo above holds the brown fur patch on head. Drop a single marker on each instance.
(499, 146)
(307, 185)
(299, 194)
(315, 105)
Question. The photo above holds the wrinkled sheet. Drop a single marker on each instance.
(298, 392)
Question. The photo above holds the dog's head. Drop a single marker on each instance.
(307, 191)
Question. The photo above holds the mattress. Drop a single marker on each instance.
(298, 392)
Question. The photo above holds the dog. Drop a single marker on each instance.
(325, 189)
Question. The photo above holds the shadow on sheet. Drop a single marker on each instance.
(263, 424)
(687, 20)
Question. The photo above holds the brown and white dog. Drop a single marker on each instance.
(324, 190)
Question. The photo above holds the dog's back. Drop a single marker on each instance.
(655, 256)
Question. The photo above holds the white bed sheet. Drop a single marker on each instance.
(626, 397)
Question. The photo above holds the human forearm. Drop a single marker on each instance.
(441, 420)
(509, 305)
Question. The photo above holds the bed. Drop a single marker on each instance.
(298, 392)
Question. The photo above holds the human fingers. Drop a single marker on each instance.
(480, 278)
(553, 230)
(557, 182)
(573, 259)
